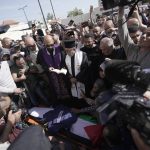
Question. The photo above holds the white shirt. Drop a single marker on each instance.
(7, 84)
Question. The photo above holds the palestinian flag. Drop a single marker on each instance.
(87, 127)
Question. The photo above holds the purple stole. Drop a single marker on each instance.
(56, 79)
(52, 61)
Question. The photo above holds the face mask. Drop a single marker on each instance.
(50, 49)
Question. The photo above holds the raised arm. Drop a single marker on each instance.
(123, 32)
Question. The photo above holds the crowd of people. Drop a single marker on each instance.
(65, 66)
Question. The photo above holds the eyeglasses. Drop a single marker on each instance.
(30, 46)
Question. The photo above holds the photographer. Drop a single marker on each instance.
(18, 70)
(6, 127)
(28, 77)
(139, 53)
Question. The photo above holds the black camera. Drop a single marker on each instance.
(129, 109)
(128, 106)
(108, 4)
(20, 104)
(70, 33)
(127, 72)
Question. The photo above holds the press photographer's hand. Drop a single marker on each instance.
(147, 94)
(18, 90)
(138, 140)
(14, 117)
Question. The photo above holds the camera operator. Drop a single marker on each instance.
(139, 53)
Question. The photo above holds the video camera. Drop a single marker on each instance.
(108, 4)
(128, 106)
(129, 109)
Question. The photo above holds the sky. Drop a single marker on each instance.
(9, 8)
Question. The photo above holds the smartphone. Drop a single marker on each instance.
(71, 22)
(69, 33)
(33, 25)
(84, 24)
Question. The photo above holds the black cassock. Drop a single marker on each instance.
(77, 67)
(92, 73)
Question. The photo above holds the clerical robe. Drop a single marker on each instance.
(54, 59)
(76, 66)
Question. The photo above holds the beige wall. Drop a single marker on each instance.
(81, 18)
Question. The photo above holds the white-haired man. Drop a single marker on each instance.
(108, 49)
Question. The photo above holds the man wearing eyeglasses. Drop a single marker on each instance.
(32, 52)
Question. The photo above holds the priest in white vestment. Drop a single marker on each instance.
(76, 62)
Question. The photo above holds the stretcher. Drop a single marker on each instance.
(75, 135)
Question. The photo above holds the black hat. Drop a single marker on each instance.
(69, 43)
